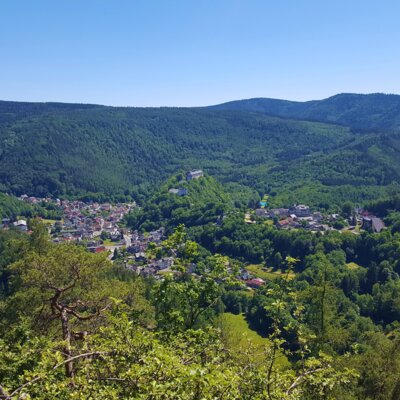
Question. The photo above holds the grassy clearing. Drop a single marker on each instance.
(49, 221)
(239, 338)
(353, 266)
(267, 273)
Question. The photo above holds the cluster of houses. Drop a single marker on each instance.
(139, 259)
(301, 216)
(153, 267)
(87, 221)
(297, 216)
(140, 242)
(143, 263)
(82, 222)
(35, 200)
(92, 223)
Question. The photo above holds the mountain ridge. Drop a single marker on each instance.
(374, 111)
(370, 112)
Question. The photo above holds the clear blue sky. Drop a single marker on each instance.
(196, 52)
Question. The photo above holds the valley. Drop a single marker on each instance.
(172, 240)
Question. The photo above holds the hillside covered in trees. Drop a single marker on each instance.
(236, 308)
(72, 149)
(204, 201)
(369, 112)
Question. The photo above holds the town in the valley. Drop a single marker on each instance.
(100, 227)
(301, 216)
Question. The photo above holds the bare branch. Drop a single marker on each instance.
(90, 316)
(112, 379)
(298, 380)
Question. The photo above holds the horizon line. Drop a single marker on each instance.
(201, 106)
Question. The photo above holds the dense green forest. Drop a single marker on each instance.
(77, 150)
(324, 323)
(376, 111)
(75, 325)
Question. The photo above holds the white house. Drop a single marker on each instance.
(21, 225)
(194, 174)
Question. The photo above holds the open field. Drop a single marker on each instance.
(353, 266)
(240, 338)
(267, 273)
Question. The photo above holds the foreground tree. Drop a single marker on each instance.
(67, 291)
(74, 331)
(123, 360)
(192, 292)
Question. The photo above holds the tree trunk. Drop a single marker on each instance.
(69, 366)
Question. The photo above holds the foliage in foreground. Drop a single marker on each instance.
(73, 329)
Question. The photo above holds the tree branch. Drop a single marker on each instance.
(113, 379)
(3, 393)
(298, 380)
(75, 269)
(87, 317)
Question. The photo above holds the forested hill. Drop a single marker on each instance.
(367, 112)
(73, 149)
(199, 202)
(14, 110)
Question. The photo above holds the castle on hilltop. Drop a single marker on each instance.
(194, 174)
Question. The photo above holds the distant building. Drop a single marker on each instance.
(284, 223)
(372, 224)
(245, 275)
(97, 249)
(262, 213)
(165, 263)
(179, 192)
(106, 207)
(140, 257)
(300, 210)
(194, 174)
(317, 216)
(255, 283)
(279, 212)
(21, 224)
